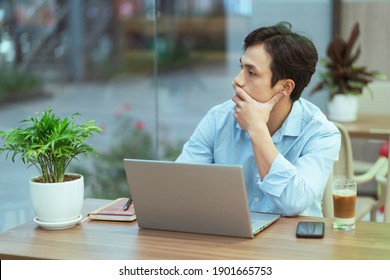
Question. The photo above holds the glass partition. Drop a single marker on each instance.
(146, 72)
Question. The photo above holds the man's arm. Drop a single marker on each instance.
(297, 180)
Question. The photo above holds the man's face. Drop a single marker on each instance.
(255, 75)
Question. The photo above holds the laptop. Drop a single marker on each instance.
(193, 197)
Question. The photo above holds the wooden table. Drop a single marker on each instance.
(122, 240)
(373, 127)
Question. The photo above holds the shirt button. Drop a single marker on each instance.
(257, 199)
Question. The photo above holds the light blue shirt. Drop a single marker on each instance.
(308, 145)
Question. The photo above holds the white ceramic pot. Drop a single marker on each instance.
(343, 108)
(57, 204)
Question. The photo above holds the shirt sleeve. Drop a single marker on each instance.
(293, 186)
(199, 147)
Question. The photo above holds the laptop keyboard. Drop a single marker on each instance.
(259, 221)
(256, 224)
(256, 217)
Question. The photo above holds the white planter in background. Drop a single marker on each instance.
(343, 108)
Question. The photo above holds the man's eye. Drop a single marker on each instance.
(249, 72)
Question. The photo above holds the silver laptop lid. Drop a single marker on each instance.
(188, 197)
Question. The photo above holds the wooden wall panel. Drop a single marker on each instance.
(374, 19)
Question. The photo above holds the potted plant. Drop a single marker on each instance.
(50, 143)
(344, 79)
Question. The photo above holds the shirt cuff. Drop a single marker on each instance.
(278, 176)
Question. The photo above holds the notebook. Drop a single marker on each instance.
(192, 197)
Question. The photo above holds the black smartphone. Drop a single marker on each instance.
(310, 229)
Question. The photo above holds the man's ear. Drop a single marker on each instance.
(288, 86)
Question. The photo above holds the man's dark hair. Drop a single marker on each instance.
(294, 56)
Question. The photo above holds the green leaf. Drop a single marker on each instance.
(341, 75)
(49, 143)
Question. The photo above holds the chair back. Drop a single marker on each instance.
(327, 198)
(343, 168)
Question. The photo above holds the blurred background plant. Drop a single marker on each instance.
(342, 75)
(106, 177)
(16, 84)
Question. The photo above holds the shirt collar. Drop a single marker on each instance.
(292, 124)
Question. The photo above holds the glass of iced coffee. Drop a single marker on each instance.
(344, 203)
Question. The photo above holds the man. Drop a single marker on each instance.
(285, 144)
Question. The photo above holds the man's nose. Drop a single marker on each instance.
(238, 80)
